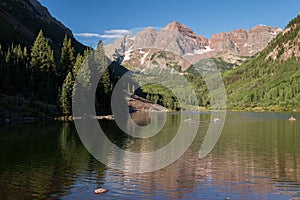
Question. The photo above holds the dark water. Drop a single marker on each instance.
(256, 157)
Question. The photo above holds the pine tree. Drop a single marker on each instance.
(104, 88)
(77, 65)
(67, 59)
(83, 84)
(65, 98)
(100, 58)
(19, 68)
(43, 69)
(12, 70)
(105, 81)
(68, 87)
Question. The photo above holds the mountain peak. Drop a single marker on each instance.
(149, 28)
(177, 26)
(176, 23)
(186, 31)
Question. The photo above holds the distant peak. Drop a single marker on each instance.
(179, 27)
(186, 31)
(175, 25)
(150, 28)
(265, 27)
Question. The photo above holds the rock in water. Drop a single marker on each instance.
(100, 191)
(292, 119)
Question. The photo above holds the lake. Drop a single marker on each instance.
(256, 157)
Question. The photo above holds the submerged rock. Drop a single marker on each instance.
(100, 191)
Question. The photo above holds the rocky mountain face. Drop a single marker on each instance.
(179, 39)
(288, 48)
(22, 20)
(175, 37)
(242, 42)
(145, 38)
(188, 47)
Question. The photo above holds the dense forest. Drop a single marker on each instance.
(42, 85)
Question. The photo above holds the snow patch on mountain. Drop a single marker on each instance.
(202, 51)
(144, 57)
(128, 53)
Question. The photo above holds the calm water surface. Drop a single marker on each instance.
(256, 157)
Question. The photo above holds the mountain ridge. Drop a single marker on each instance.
(179, 39)
(22, 20)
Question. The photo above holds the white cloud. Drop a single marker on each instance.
(114, 33)
(87, 35)
(118, 32)
(112, 36)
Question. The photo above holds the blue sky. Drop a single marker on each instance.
(203, 16)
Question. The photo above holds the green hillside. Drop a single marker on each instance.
(271, 80)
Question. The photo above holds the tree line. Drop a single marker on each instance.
(35, 74)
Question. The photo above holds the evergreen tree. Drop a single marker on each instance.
(77, 65)
(13, 67)
(67, 60)
(68, 88)
(43, 69)
(27, 71)
(65, 99)
(101, 60)
(105, 82)
(104, 88)
(19, 68)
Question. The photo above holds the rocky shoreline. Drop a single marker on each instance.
(72, 118)
(135, 103)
